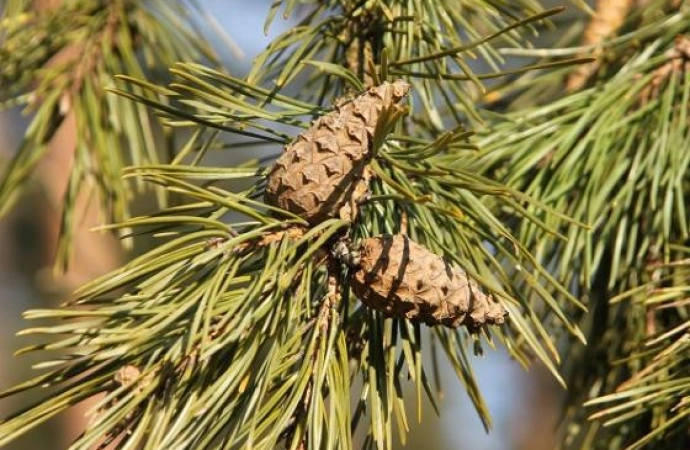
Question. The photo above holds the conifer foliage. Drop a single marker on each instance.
(286, 303)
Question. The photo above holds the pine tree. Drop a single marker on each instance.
(423, 187)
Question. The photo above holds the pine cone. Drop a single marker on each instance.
(321, 174)
(401, 278)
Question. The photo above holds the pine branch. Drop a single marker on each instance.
(613, 156)
(439, 39)
(658, 391)
(257, 313)
(242, 328)
(58, 61)
(641, 27)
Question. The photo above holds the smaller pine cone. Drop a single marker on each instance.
(322, 173)
(401, 278)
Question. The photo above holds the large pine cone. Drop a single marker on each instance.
(401, 278)
(321, 174)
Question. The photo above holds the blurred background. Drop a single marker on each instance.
(524, 405)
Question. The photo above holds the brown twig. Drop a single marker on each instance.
(608, 17)
(678, 61)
